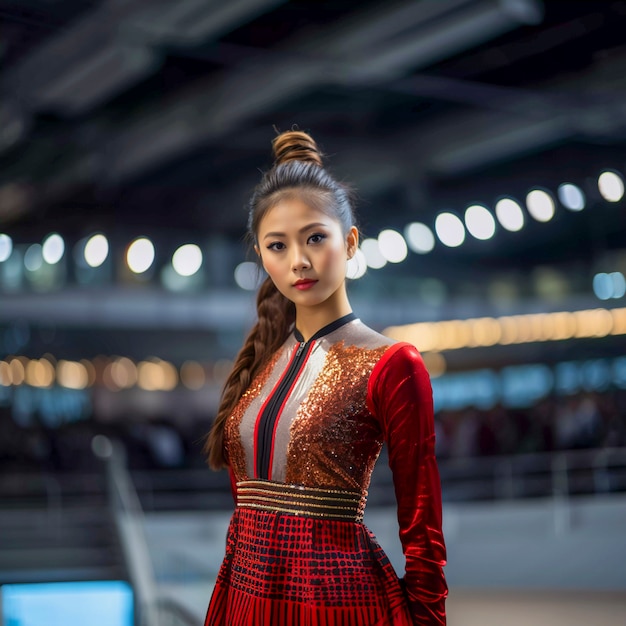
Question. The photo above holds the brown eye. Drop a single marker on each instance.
(276, 245)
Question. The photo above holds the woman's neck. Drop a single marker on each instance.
(309, 320)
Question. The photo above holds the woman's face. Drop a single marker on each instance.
(304, 251)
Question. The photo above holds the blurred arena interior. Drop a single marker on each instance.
(486, 141)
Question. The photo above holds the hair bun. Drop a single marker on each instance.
(296, 145)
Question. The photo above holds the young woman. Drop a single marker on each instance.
(312, 396)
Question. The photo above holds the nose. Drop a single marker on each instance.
(299, 260)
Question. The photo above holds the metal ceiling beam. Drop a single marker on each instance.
(444, 29)
(115, 46)
(591, 106)
(208, 111)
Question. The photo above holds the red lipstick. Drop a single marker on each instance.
(304, 283)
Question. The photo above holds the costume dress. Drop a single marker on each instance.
(301, 446)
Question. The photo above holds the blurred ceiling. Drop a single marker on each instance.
(155, 117)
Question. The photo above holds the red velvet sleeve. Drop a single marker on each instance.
(400, 396)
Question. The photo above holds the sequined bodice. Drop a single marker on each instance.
(305, 419)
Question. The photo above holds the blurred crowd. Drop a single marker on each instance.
(155, 444)
(588, 420)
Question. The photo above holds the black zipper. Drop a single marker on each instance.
(270, 412)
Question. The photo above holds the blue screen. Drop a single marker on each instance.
(94, 603)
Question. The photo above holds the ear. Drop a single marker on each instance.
(352, 241)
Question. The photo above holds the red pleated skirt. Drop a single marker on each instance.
(282, 569)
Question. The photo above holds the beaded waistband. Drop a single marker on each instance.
(268, 495)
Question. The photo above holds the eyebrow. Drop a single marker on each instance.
(302, 230)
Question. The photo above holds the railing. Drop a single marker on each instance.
(129, 519)
(558, 474)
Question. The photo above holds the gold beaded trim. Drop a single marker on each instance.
(301, 500)
(283, 487)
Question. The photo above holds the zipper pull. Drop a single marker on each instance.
(300, 348)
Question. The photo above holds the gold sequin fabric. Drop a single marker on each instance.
(232, 437)
(325, 435)
(334, 439)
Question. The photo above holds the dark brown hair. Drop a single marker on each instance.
(297, 170)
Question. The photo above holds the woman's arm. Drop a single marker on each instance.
(400, 396)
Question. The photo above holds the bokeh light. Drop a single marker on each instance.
(619, 284)
(479, 222)
(609, 285)
(39, 373)
(187, 260)
(72, 375)
(53, 248)
(602, 287)
(419, 237)
(510, 214)
(5, 374)
(373, 255)
(6, 247)
(17, 370)
(435, 364)
(33, 259)
(192, 375)
(247, 275)
(611, 186)
(123, 373)
(540, 205)
(96, 250)
(156, 375)
(140, 255)
(571, 197)
(356, 266)
(513, 329)
(450, 230)
(392, 246)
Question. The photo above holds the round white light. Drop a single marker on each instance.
(247, 275)
(140, 255)
(510, 214)
(450, 230)
(373, 255)
(479, 222)
(356, 266)
(53, 248)
(96, 250)
(419, 237)
(540, 205)
(602, 286)
(6, 247)
(611, 186)
(571, 197)
(187, 260)
(33, 260)
(392, 246)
